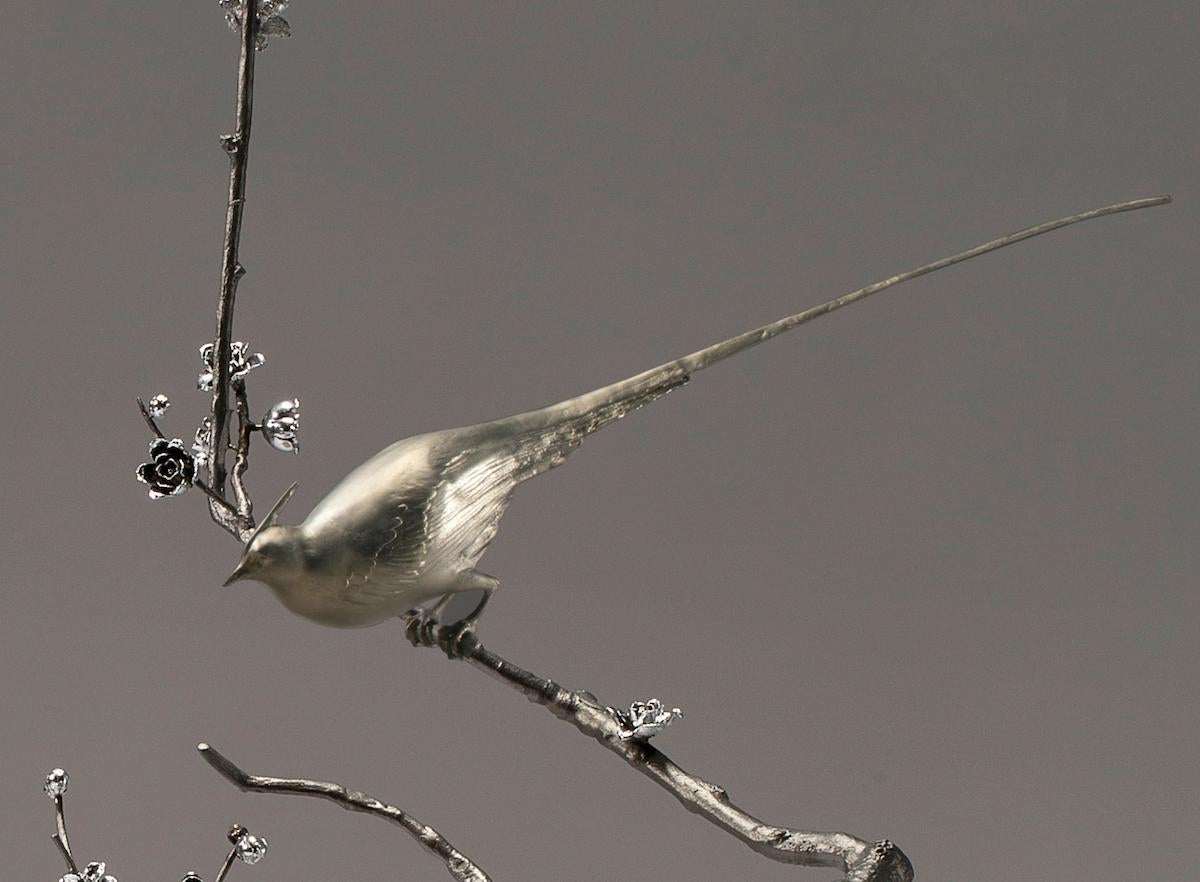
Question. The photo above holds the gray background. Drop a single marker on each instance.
(923, 570)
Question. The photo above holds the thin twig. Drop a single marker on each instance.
(216, 500)
(241, 462)
(861, 861)
(224, 871)
(459, 865)
(237, 146)
(60, 835)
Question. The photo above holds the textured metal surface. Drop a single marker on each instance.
(457, 864)
(411, 523)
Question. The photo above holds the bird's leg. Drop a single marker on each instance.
(421, 624)
(450, 637)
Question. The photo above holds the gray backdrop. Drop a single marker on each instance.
(924, 570)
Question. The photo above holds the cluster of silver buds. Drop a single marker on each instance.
(271, 22)
(246, 847)
(172, 468)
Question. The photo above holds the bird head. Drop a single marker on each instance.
(272, 556)
(273, 552)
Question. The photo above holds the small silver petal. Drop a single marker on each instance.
(276, 26)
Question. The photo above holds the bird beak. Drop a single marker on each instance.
(237, 574)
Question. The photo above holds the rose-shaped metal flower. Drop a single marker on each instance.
(270, 22)
(171, 469)
(281, 424)
(241, 362)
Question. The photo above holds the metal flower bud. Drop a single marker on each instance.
(56, 783)
(281, 424)
(158, 405)
(250, 848)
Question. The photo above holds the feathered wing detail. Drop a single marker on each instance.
(441, 528)
(485, 463)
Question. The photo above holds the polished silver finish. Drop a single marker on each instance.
(858, 859)
(411, 523)
(458, 864)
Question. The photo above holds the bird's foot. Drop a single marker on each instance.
(458, 639)
(420, 627)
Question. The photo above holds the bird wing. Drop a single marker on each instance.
(441, 496)
(492, 459)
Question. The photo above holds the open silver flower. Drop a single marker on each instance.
(93, 872)
(270, 21)
(645, 718)
(241, 362)
(171, 469)
(250, 848)
(281, 424)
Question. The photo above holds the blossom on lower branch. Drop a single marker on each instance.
(247, 847)
(645, 719)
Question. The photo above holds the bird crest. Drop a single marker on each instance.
(272, 515)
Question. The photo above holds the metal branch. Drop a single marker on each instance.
(859, 860)
(214, 499)
(459, 865)
(241, 461)
(225, 867)
(237, 146)
(60, 836)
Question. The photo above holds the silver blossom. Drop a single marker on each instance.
(645, 719)
(271, 22)
(250, 848)
(93, 872)
(158, 405)
(56, 783)
(281, 424)
(241, 362)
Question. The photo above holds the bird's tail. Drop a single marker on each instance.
(562, 426)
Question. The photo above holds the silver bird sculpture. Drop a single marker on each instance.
(410, 524)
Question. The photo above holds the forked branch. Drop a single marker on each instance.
(458, 864)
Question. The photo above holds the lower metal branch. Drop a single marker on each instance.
(459, 865)
(859, 860)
